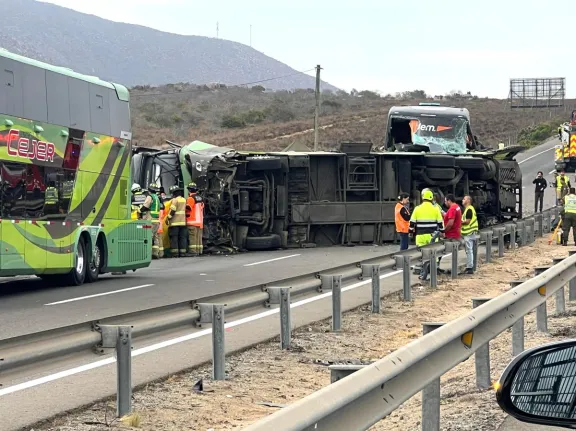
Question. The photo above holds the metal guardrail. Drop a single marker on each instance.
(360, 396)
(97, 336)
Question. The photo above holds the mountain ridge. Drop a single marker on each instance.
(132, 54)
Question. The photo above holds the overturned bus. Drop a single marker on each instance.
(258, 201)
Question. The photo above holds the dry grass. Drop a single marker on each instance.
(196, 113)
(266, 375)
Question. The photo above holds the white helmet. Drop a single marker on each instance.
(136, 187)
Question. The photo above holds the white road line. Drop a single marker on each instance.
(271, 260)
(99, 294)
(535, 155)
(178, 340)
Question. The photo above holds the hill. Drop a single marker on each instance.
(131, 54)
(249, 118)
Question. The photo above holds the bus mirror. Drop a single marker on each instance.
(38, 129)
(538, 386)
(64, 133)
(9, 123)
(95, 140)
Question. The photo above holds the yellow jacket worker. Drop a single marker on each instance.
(426, 219)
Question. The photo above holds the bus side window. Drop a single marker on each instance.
(72, 154)
(13, 190)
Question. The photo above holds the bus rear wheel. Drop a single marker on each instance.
(96, 263)
(77, 276)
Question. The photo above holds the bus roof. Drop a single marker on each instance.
(441, 111)
(121, 91)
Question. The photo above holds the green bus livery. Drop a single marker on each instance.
(65, 155)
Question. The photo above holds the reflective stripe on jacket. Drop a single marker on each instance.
(570, 204)
(177, 213)
(426, 219)
(471, 227)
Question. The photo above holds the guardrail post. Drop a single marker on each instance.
(281, 296)
(488, 239)
(336, 302)
(433, 269)
(453, 247)
(404, 263)
(545, 222)
(560, 295)
(521, 229)
(541, 310)
(120, 338)
(218, 351)
(530, 227)
(500, 233)
(540, 220)
(431, 394)
(373, 271)
(513, 237)
(482, 355)
(572, 283)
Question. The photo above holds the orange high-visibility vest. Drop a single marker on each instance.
(199, 215)
(191, 213)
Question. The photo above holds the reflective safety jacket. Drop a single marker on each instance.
(570, 204)
(471, 227)
(51, 196)
(177, 214)
(426, 219)
(194, 211)
(562, 181)
(400, 215)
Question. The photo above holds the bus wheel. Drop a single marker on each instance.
(95, 264)
(77, 276)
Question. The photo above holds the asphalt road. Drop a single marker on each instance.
(27, 306)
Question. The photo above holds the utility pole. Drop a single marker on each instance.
(317, 111)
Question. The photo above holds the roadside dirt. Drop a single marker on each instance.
(265, 374)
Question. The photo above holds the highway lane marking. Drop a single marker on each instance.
(99, 294)
(535, 155)
(271, 260)
(137, 352)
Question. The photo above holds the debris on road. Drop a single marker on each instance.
(266, 373)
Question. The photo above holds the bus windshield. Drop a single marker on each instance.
(440, 134)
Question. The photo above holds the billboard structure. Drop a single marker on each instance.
(537, 92)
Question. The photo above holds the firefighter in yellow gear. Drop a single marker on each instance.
(51, 199)
(568, 214)
(150, 210)
(426, 220)
(562, 185)
(176, 221)
(137, 200)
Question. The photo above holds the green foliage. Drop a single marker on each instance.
(279, 112)
(232, 122)
(534, 135)
(257, 89)
(369, 94)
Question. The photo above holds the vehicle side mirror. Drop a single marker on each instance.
(539, 385)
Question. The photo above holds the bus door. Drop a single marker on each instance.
(12, 213)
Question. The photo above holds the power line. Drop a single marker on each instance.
(230, 85)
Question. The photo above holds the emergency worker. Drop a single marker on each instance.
(194, 220)
(562, 185)
(560, 132)
(568, 214)
(66, 195)
(51, 199)
(150, 210)
(425, 221)
(468, 231)
(176, 221)
(402, 220)
(137, 200)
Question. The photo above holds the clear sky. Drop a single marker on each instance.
(384, 45)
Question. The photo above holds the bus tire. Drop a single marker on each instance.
(96, 264)
(77, 276)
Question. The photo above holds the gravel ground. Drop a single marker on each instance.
(264, 374)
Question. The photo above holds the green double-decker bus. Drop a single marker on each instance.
(65, 153)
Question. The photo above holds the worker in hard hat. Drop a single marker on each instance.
(138, 199)
(426, 220)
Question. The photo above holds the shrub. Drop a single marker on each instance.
(232, 122)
